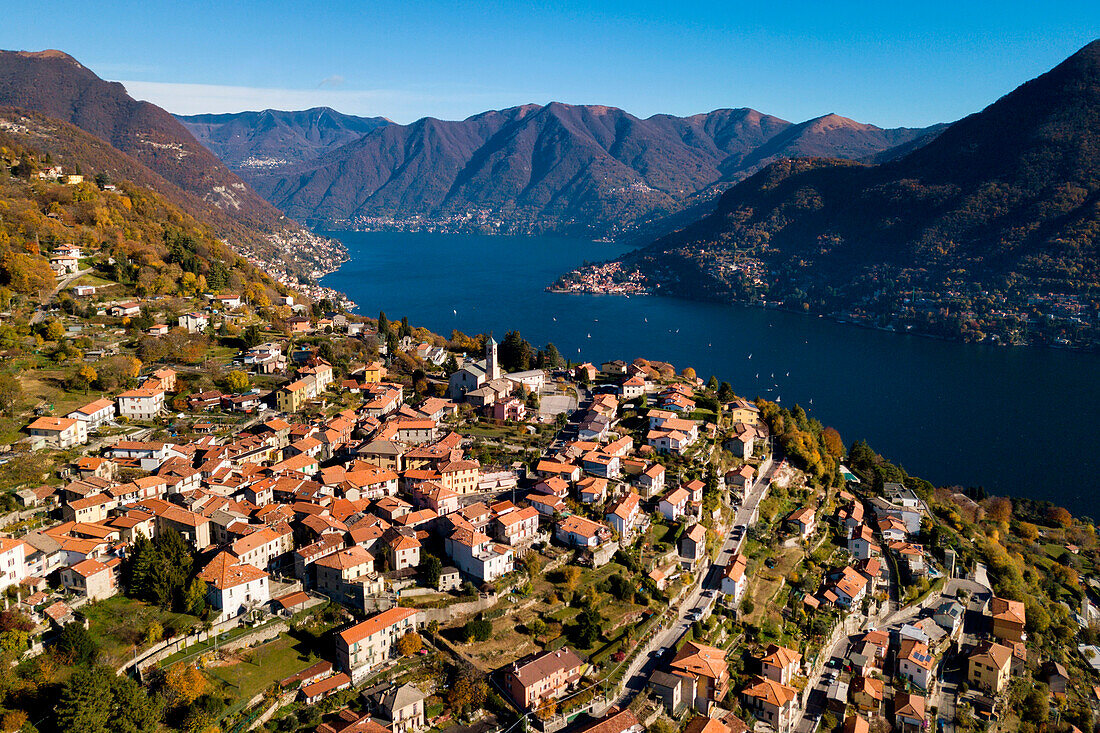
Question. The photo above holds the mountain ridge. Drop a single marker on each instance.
(972, 232)
(580, 168)
(276, 137)
(54, 84)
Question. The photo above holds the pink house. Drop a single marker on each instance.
(510, 409)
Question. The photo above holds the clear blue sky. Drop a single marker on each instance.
(887, 63)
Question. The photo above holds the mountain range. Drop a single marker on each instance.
(1001, 207)
(273, 138)
(580, 169)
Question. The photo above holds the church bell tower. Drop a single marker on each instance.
(492, 367)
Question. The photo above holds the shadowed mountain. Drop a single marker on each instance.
(56, 85)
(1005, 201)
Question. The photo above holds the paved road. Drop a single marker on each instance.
(41, 312)
(649, 657)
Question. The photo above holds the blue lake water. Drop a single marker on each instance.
(1018, 421)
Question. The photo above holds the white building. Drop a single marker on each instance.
(367, 645)
(141, 404)
(60, 432)
(234, 588)
(94, 414)
(194, 322)
(478, 556)
(13, 561)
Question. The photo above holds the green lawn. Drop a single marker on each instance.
(119, 625)
(254, 670)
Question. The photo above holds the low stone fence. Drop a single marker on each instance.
(284, 699)
(166, 649)
(447, 613)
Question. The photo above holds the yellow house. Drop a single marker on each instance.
(374, 373)
(293, 396)
(990, 666)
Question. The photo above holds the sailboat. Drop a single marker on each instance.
(750, 356)
(778, 399)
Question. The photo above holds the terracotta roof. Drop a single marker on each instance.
(1003, 609)
(225, 572)
(770, 692)
(781, 656)
(376, 623)
(542, 665)
(997, 655)
(700, 659)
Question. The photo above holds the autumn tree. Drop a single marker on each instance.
(998, 509)
(85, 376)
(572, 577)
(236, 381)
(1059, 516)
(689, 374)
(183, 684)
(1027, 531)
(409, 644)
(10, 392)
(834, 446)
(54, 331)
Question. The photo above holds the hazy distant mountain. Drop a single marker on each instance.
(1004, 201)
(55, 84)
(588, 169)
(273, 138)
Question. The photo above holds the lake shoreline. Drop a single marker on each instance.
(948, 411)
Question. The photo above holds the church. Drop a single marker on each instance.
(486, 381)
(475, 374)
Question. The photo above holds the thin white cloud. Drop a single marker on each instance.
(332, 81)
(397, 105)
(189, 99)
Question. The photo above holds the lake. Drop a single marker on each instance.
(1017, 421)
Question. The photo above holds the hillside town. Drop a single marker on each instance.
(424, 539)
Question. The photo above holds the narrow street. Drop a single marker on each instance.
(649, 657)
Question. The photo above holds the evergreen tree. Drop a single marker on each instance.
(383, 324)
(553, 357)
(432, 568)
(86, 701)
(76, 644)
(132, 711)
(725, 392)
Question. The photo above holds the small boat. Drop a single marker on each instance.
(589, 335)
(778, 399)
(750, 356)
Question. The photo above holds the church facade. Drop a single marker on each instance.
(473, 375)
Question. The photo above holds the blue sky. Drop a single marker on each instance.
(886, 63)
